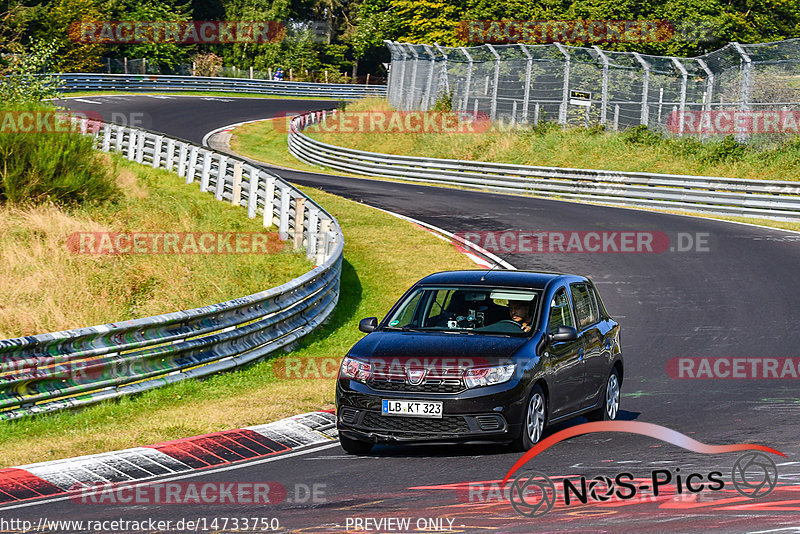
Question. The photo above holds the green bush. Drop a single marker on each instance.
(62, 168)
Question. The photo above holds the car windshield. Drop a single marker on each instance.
(461, 309)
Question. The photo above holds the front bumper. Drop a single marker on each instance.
(490, 413)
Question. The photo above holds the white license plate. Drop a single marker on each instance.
(411, 408)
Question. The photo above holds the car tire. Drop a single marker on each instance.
(534, 420)
(354, 446)
(611, 398)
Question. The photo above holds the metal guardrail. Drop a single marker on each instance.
(145, 82)
(72, 368)
(714, 195)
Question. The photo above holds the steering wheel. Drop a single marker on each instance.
(509, 322)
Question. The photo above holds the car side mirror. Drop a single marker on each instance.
(368, 325)
(564, 333)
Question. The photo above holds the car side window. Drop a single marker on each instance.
(585, 305)
(559, 311)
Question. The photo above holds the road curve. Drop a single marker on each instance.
(735, 296)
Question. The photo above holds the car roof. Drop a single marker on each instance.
(496, 277)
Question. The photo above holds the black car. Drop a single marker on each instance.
(476, 356)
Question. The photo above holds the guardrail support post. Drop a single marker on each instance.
(157, 151)
(222, 170)
(205, 174)
(562, 110)
(299, 220)
(644, 116)
(192, 166)
(140, 147)
(313, 234)
(106, 146)
(322, 242)
(170, 154)
(269, 202)
(131, 145)
(237, 183)
(119, 137)
(252, 193)
(182, 150)
(283, 224)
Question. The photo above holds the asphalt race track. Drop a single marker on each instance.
(737, 295)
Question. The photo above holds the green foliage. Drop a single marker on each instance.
(444, 102)
(23, 76)
(641, 135)
(62, 168)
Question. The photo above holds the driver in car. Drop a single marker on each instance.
(520, 312)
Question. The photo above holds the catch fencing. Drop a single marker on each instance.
(527, 84)
(716, 195)
(48, 372)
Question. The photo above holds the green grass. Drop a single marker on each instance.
(375, 273)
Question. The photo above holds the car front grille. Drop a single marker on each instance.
(415, 425)
(437, 381)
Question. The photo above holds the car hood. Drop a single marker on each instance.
(429, 348)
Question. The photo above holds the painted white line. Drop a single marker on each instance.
(86, 101)
(280, 456)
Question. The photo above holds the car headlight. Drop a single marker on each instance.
(355, 369)
(487, 376)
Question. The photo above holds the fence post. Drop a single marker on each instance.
(562, 111)
(493, 112)
(526, 96)
(252, 192)
(413, 87)
(299, 219)
(684, 79)
(119, 137)
(604, 95)
(709, 84)
(140, 147)
(469, 78)
(222, 170)
(269, 202)
(426, 105)
(744, 94)
(616, 117)
(660, 102)
(106, 146)
(444, 69)
(644, 116)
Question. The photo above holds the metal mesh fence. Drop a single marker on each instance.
(528, 84)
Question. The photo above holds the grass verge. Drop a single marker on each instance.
(375, 273)
(261, 141)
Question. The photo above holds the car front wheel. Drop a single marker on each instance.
(533, 420)
(354, 446)
(610, 407)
